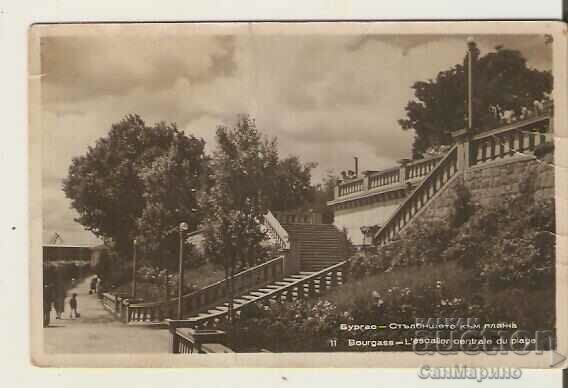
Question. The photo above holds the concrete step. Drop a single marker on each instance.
(322, 257)
(320, 261)
(322, 251)
(323, 247)
(322, 237)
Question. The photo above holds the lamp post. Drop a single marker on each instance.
(470, 48)
(182, 228)
(134, 270)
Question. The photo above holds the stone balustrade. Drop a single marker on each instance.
(351, 186)
(407, 172)
(207, 297)
(184, 339)
(275, 231)
(418, 169)
(436, 179)
(517, 139)
(384, 178)
(509, 141)
(117, 304)
(313, 285)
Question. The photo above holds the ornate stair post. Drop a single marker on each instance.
(402, 169)
(462, 139)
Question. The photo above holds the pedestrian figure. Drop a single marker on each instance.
(59, 302)
(93, 285)
(47, 299)
(73, 304)
(99, 287)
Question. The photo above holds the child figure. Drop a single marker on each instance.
(73, 305)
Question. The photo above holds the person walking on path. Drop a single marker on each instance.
(99, 287)
(47, 300)
(59, 301)
(93, 288)
(74, 305)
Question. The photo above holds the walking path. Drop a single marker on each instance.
(97, 331)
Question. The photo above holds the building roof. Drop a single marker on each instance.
(68, 246)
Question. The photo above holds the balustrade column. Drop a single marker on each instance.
(462, 139)
(402, 169)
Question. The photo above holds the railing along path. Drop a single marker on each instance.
(209, 296)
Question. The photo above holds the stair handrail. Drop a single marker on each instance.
(313, 276)
(277, 263)
(427, 180)
(276, 231)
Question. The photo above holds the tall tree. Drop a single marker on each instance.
(501, 79)
(292, 184)
(105, 186)
(323, 193)
(171, 184)
(235, 204)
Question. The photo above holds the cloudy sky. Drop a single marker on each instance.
(326, 98)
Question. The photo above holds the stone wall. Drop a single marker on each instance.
(492, 182)
(352, 219)
(498, 180)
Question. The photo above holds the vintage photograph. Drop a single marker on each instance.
(249, 188)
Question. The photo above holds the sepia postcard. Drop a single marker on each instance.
(321, 194)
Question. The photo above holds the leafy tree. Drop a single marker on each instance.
(234, 206)
(171, 184)
(322, 194)
(105, 185)
(501, 79)
(292, 184)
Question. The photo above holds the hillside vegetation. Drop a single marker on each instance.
(495, 264)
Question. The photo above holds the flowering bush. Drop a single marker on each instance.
(368, 263)
(308, 326)
(510, 242)
(422, 242)
(499, 263)
(522, 252)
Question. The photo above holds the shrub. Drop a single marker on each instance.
(421, 242)
(307, 326)
(503, 271)
(463, 208)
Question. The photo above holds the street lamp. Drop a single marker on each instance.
(182, 228)
(470, 48)
(134, 270)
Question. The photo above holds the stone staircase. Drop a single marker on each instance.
(503, 144)
(304, 284)
(321, 250)
(431, 186)
(312, 261)
(319, 245)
